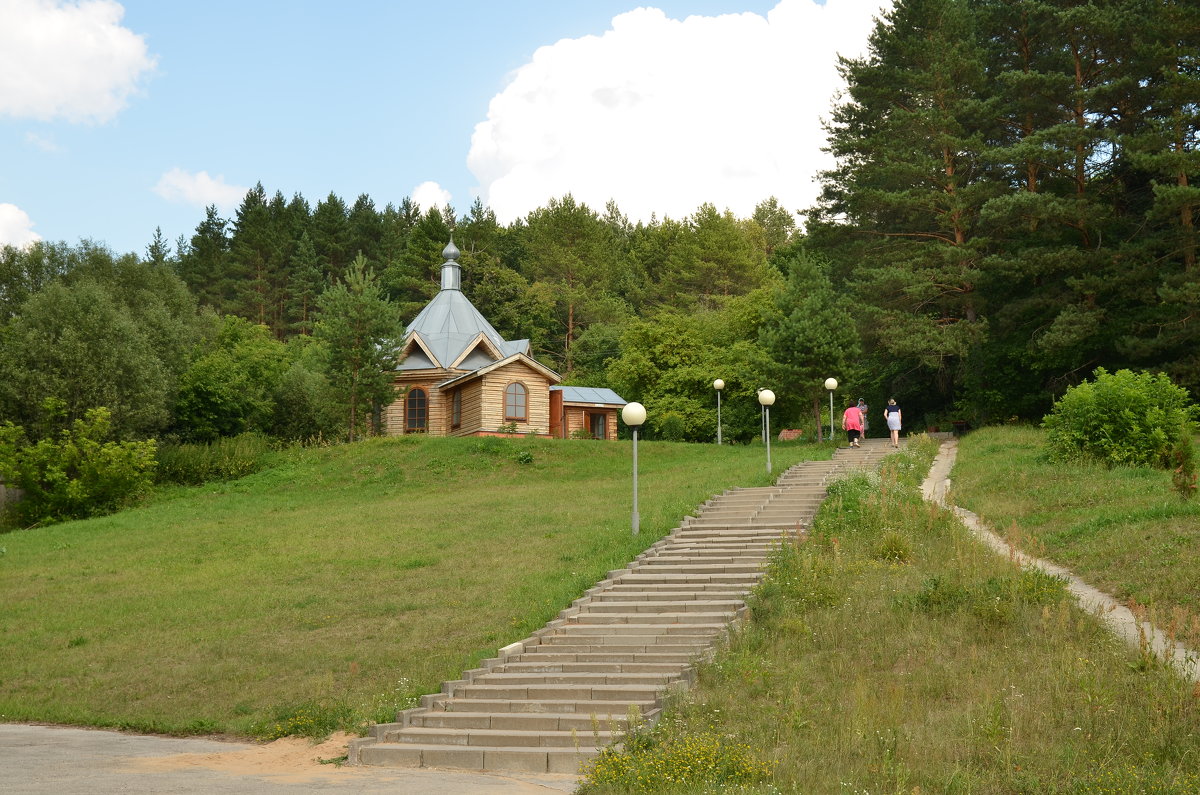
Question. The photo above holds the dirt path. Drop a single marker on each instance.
(1118, 618)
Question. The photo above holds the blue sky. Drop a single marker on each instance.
(119, 118)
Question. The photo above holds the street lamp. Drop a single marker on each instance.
(767, 398)
(718, 385)
(831, 384)
(634, 415)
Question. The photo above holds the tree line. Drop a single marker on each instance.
(1014, 202)
(1012, 206)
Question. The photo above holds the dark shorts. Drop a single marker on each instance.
(852, 434)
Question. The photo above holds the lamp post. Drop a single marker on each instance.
(634, 415)
(831, 384)
(718, 385)
(767, 398)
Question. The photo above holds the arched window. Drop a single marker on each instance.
(416, 406)
(516, 402)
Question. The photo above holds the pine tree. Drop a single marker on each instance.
(305, 285)
(206, 266)
(366, 230)
(570, 251)
(254, 251)
(361, 330)
(330, 231)
(158, 253)
(901, 210)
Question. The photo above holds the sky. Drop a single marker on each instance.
(120, 118)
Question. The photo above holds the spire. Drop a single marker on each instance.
(451, 273)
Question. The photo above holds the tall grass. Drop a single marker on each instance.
(332, 587)
(191, 464)
(889, 652)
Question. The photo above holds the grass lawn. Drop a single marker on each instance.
(1124, 530)
(333, 587)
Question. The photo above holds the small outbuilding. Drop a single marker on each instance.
(458, 377)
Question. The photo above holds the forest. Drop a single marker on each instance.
(1013, 205)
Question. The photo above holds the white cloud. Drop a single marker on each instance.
(67, 60)
(16, 227)
(663, 115)
(199, 189)
(42, 142)
(430, 194)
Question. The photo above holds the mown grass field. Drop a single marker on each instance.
(1124, 530)
(891, 652)
(333, 587)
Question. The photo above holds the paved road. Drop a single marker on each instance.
(67, 761)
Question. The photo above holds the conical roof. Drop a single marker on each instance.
(450, 322)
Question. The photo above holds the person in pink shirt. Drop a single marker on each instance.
(852, 423)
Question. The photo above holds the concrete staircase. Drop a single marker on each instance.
(549, 703)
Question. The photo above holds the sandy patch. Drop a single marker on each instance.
(289, 760)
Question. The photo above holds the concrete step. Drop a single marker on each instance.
(665, 578)
(632, 633)
(525, 760)
(657, 566)
(629, 601)
(514, 738)
(567, 692)
(581, 706)
(508, 678)
(573, 666)
(670, 590)
(633, 606)
(610, 653)
(519, 721)
(597, 618)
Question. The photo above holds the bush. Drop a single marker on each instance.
(79, 473)
(1120, 419)
(671, 428)
(224, 459)
(1183, 466)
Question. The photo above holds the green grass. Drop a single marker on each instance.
(1123, 530)
(334, 586)
(890, 652)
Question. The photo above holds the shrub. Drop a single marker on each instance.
(77, 474)
(894, 547)
(1183, 466)
(224, 459)
(1120, 419)
(672, 427)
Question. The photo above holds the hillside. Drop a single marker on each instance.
(333, 587)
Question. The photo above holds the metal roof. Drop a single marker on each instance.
(450, 322)
(589, 394)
